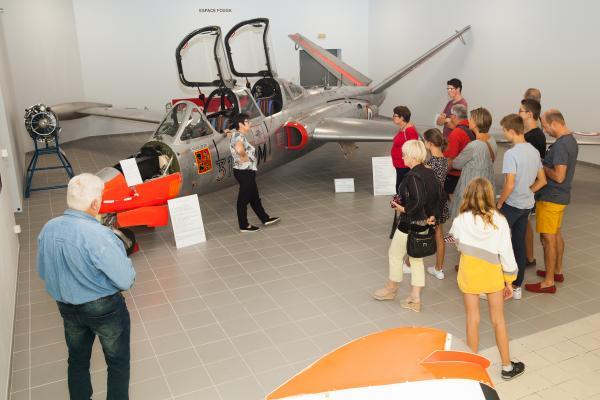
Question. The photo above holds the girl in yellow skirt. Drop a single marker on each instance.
(487, 265)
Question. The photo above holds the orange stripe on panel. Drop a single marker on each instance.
(329, 62)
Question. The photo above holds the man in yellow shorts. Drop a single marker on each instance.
(559, 166)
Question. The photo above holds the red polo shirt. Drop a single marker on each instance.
(457, 141)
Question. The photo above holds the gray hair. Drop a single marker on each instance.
(415, 150)
(83, 189)
(460, 111)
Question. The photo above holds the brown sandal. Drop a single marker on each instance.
(410, 305)
(385, 293)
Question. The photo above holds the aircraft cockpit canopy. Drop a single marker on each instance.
(249, 53)
(201, 59)
(186, 120)
(246, 102)
(293, 91)
(248, 49)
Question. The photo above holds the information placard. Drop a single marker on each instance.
(344, 185)
(131, 172)
(384, 176)
(186, 219)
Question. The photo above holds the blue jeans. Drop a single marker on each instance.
(517, 221)
(107, 318)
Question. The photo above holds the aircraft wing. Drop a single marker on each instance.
(364, 130)
(331, 63)
(79, 109)
(133, 114)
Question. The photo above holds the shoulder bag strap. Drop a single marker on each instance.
(468, 131)
(489, 146)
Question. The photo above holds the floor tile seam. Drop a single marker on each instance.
(542, 332)
(188, 336)
(314, 305)
(268, 337)
(66, 357)
(30, 320)
(20, 391)
(143, 324)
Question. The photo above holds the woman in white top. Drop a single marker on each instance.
(487, 265)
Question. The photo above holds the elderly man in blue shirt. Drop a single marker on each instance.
(85, 268)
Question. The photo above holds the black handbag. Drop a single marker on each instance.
(421, 244)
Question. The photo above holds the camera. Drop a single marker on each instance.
(396, 199)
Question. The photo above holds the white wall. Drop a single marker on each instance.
(512, 45)
(9, 245)
(128, 47)
(43, 56)
(14, 163)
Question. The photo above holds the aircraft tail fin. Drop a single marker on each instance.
(333, 64)
(396, 76)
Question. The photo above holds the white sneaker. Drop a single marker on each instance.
(438, 274)
(517, 293)
(405, 268)
(483, 296)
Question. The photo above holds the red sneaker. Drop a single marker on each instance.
(557, 277)
(537, 288)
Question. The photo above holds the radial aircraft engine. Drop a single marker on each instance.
(189, 151)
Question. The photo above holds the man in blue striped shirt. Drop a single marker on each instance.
(85, 268)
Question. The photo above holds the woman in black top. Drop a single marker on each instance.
(420, 205)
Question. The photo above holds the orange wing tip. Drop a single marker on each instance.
(382, 358)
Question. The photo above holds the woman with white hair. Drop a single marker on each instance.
(419, 204)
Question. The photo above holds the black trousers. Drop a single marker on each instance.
(450, 184)
(248, 194)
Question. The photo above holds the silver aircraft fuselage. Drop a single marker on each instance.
(267, 134)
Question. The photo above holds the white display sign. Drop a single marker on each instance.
(131, 172)
(186, 218)
(384, 176)
(344, 185)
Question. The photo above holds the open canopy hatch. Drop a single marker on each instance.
(248, 43)
(201, 59)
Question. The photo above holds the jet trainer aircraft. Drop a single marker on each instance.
(189, 151)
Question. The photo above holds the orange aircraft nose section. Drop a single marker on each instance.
(143, 204)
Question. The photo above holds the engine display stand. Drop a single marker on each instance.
(49, 149)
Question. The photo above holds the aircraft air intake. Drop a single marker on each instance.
(292, 136)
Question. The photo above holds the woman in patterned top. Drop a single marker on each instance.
(244, 171)
(435, 142)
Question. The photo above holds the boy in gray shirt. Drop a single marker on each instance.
(523, 175)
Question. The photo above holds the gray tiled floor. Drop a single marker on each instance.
(238, 315)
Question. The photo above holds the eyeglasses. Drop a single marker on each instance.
(450, 88)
